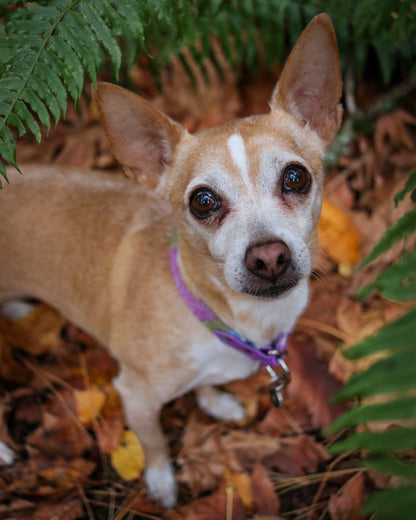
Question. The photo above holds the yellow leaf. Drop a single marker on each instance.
(89, 403)
(37, 332)
(241, 482)
(128, 458)
(338, 236)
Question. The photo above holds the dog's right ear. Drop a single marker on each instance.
(141, 137)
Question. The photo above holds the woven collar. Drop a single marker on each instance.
(268, 355)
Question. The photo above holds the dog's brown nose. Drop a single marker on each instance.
(268, 261)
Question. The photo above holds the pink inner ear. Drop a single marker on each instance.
(141, 137)
(310, 84)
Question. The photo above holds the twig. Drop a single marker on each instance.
(322, 327)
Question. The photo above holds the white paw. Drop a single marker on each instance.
(221, 405)
(6, 455)
(161, 484)
(16, 309)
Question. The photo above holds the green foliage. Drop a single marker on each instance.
(392, 379)
(48, 46)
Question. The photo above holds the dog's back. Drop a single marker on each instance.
(55, 218)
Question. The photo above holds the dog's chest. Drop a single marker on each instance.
(216, 363)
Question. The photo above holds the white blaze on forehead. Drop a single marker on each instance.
(238, 153)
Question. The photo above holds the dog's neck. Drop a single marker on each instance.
(267, 354)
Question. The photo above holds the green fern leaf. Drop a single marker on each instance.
(396, 336)
(398, 282)
(400, 230)
(392, 504)
(38, 85)
(388, 463)
(102, 32)
(54, 83)
(398, 439)
(409, 186)
(74, 20)
(23, 112)
(71, 62)
(16, 122)
(32, 100)
(82, 52)
(392, 374)
(396, 409)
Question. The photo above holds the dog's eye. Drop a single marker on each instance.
(296, 178)
(203, 201)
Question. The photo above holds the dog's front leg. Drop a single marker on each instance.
(220, 405)
(142, 407)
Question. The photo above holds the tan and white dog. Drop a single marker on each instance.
(243, 199)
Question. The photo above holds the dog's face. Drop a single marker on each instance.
(246, 196)
(250, 194)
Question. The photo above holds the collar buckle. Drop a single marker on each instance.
(278, 382)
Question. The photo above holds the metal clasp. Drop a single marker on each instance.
(278, 382)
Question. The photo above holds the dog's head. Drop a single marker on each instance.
(246, 195)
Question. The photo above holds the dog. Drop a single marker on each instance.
(215, 240)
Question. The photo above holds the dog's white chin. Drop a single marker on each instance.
(271, 292)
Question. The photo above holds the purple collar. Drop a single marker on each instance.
(268, 355)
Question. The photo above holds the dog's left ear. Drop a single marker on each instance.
(310, 85)
(141, 137)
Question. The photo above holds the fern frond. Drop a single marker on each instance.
(57, 42)
(393, 377)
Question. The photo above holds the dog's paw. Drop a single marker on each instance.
(6, 455)
(161, 484)
(220, 405)
(15, 309)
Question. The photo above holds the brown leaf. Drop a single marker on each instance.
(215, 506)
(392, 129)
(299, 455)
(61, 432)
(312, 385)
(266, 501)
(65, 509)
(205, 453)
(111, 423)
(292, 419)
(16, 509)
(36, 333)
(346, 503)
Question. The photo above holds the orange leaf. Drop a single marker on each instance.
(241, 482)
(89, 403)
(338, 236)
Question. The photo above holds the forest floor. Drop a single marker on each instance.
(61, 415)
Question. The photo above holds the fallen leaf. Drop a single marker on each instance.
(216, 506)
(89, 403)
(66, 476)
(110, 424)
(36, 333)
(346, 503)
(241, 482)
(312, 385)
(338, 236)
(65, 509)
(61, 432)
(283, 421)
(393, 129)
(206, 451)
(299, 455)
(266, 501)
(128, 458)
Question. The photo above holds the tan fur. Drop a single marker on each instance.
(96, 246)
